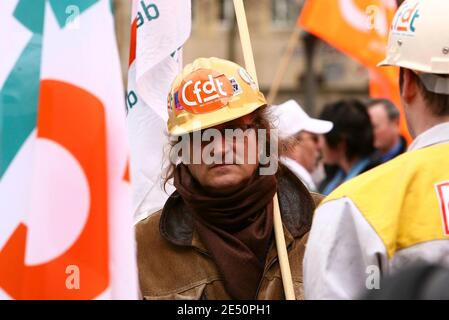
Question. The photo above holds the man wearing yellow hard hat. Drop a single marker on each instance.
(396, 214)
(214, 237)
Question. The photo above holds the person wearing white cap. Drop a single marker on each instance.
(298, 140)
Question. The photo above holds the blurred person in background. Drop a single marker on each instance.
(387, 137)
(298, 140)
(397, 214)
(348, 147)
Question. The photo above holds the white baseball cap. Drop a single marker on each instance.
(291, 119)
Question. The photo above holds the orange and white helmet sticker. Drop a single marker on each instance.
(203, 91)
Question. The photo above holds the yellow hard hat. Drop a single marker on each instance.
(419, 41)
(209, 92)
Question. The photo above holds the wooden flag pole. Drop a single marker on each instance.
(282, 251)
(245, 39)
(283, 65)
(278, 228)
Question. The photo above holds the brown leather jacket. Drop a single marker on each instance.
(174, 264)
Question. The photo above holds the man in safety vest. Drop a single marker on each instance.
(398, 213)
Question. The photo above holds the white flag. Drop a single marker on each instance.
(159, 30)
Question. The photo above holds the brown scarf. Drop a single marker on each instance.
(236, 229)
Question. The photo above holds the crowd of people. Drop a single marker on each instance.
(349, 138)
(355, 201)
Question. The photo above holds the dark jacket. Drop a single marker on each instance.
(174, 264)
(397, 151)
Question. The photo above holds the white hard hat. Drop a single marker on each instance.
(291, 119)
(419, 41)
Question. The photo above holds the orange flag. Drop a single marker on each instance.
(358, 28)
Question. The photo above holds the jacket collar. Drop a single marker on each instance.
(295, 201)
(300, 172)
(436, 135)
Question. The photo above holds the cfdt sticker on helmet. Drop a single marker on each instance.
(204, 91)
(442, 190)
(405, 20)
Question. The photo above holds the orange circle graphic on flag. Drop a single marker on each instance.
(204, 91)
(74, 119)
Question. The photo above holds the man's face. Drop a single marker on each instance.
(306, 151)
(227, 178)
(331, 156)
(386, 131)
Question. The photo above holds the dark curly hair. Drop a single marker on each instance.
(352, 125)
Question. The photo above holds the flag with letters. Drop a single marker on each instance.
(358, 28)
(159, 30)
(66, 225)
